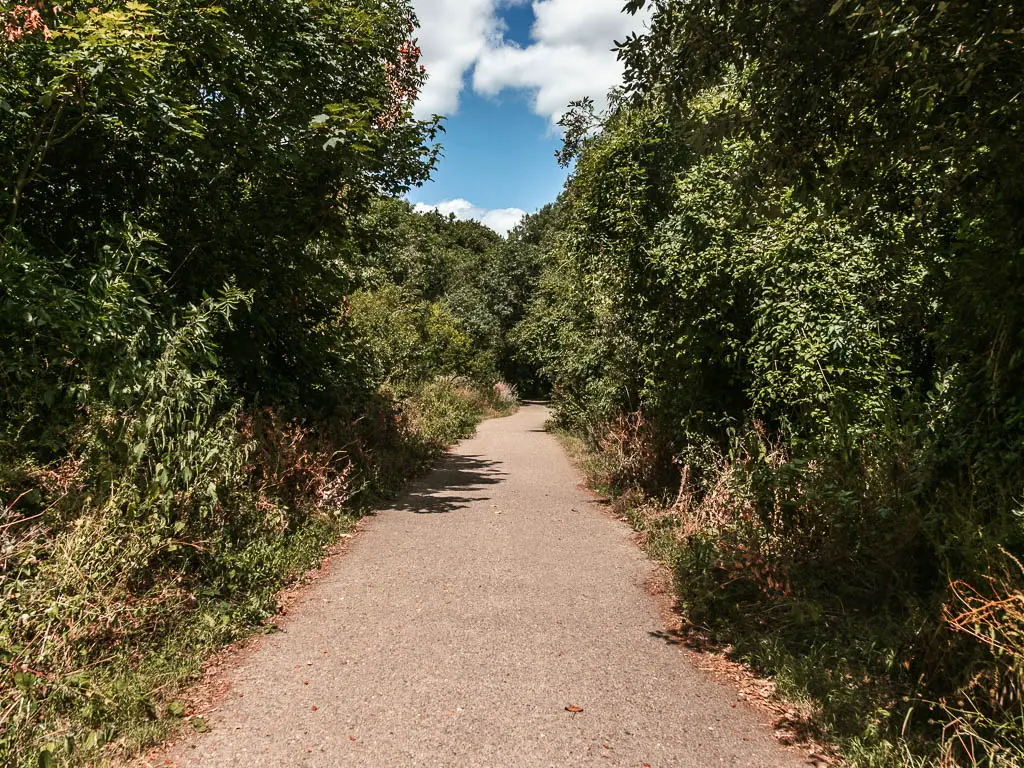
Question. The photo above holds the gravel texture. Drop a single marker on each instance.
(464, 621)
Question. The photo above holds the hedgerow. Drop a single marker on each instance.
(193, 404)
(785, 306)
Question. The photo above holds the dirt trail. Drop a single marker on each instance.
(462, 623)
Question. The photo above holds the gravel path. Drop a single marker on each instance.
(462, 623)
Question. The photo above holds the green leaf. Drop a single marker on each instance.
(93, 741)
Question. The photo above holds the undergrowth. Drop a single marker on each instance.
(168, 534)
(448, 408)
(886, 675)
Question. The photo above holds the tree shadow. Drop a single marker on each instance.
(453, 485)
(691, 637)
(672, 637)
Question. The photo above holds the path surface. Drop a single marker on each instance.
(461, 624)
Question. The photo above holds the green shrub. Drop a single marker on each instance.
(796, 277)
(410, 339)
(446, 410)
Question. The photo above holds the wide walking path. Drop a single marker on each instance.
(462, 623)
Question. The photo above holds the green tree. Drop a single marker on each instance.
(791, 251)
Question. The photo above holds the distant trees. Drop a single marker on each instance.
(483, 282)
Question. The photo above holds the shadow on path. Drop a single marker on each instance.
(448, 488)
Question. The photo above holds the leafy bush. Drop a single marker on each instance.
(446, 410)
(187, 414)
(789, 266)
(410, 339)
(142, 532)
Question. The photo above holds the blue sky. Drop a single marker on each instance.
(498, 154)
(502, 72)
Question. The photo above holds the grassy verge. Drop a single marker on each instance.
(873, 681)
(137, 568)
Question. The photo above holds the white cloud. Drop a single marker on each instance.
(570, 55)
(453, 34)
(595, 23)
(501, 220)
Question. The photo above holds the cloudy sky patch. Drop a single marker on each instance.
(570, 54)
(501, 220)
(506, 70)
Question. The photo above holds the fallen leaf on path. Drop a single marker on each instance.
(574, 709)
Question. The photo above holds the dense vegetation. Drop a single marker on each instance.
(791, 272)
(196, 393)
(781, 299)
